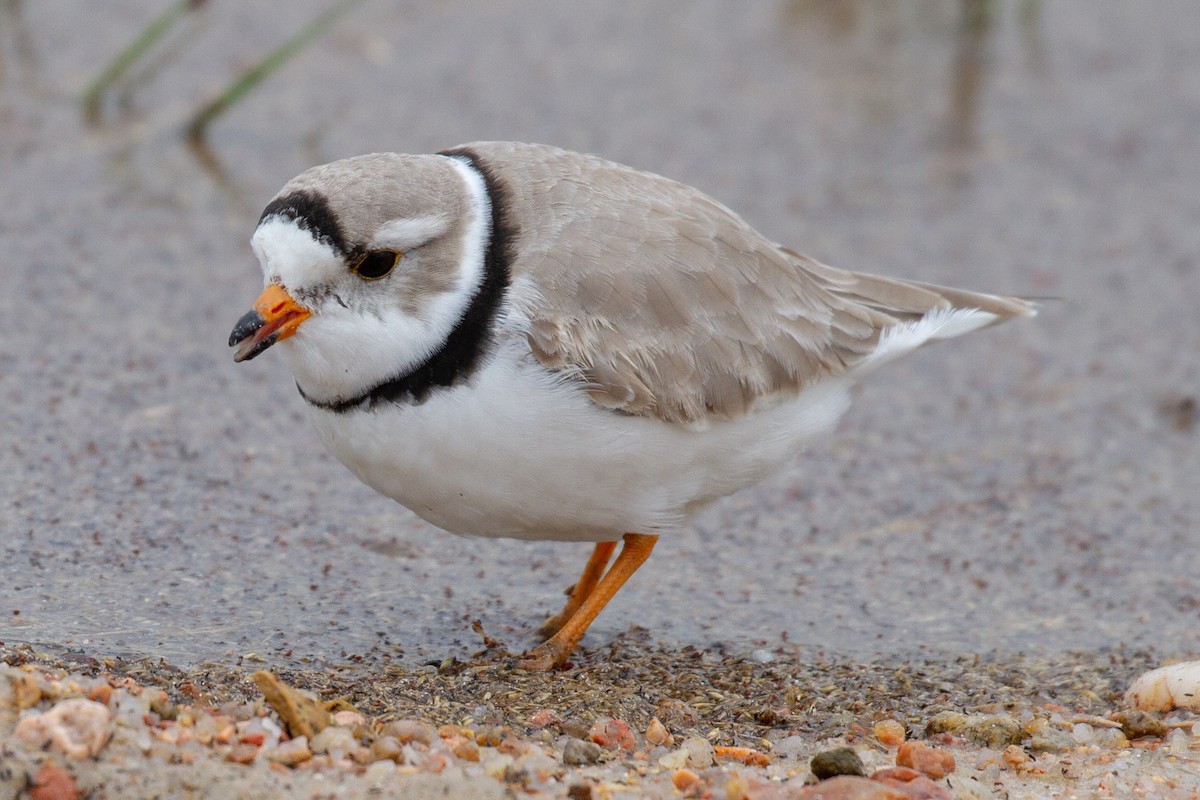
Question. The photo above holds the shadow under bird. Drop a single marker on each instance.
(516, 340)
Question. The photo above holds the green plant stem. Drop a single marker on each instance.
(149, 37)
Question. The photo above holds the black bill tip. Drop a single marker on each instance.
(245, 334)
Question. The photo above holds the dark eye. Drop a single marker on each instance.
(376, 264)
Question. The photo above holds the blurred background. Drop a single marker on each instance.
(1033, 487)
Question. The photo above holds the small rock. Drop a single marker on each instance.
(290, 753)
(497, 767)
(348, 718)
(1015, 757)
(577, 751)
(386, 748)
(579, 791)
(101, 693)
(77, 728)
(684, 779)
(612, 734)
(1050, 739)
(539, 766)
(995, 732)
(845, 787)
(950, 722)
(1135, 724)
(576, 728)
(889, 732)
(932, 761)
(912, 784)
(333, 740)
(53, 783)
(242, 753)
(790, 746)
(1110, 738)
(1165, 688)
(380, 772)
(410, 730)
(839, 761)
(657, 733)
(26, 693)
(700, 752)
(544, 717)
(466, 750)
(489, 735)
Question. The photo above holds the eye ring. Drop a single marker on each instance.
(376, 264)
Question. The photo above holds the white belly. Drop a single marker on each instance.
(521, 454)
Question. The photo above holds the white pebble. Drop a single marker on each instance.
(1082, 732)
(1165, 688)
(1178, 742)
(78, 728)
(335, 741)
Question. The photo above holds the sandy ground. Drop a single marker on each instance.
(633, 720)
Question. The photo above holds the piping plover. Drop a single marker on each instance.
(516, 340)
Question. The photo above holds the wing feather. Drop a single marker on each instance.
(669, 305)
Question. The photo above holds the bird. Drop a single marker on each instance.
(516, 340)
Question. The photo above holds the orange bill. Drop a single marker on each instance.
(274, 317)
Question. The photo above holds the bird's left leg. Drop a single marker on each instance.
(582, 588)
(555, 650)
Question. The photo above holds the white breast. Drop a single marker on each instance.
(520, 453)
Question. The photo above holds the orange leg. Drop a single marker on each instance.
(554, 651)
(582, 588)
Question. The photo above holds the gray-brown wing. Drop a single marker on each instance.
(670, 305)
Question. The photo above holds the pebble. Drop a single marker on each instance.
(290, 753)
(1166, 688)
(77, 728)
(497, 766)
(839, 761)
(889, 732)
(466, 750)
(951, 722)
(684, 779)
(1135, 724)
(336, 741)
(1110, 738)
(348, 718)
(489, 735)
(242, 753)
(410, 730)
(912, 784)
(995, 732)
(577, 751)
(932, 761)
(387, 748)
(575, 728)
(1178, 742)
(53, 783)
(1015, 757)
(700, 752)
(612, 734)
(544, 717)
(657, 733)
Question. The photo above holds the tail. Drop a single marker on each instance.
(908, 314)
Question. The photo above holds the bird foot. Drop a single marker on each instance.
(544, 658)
